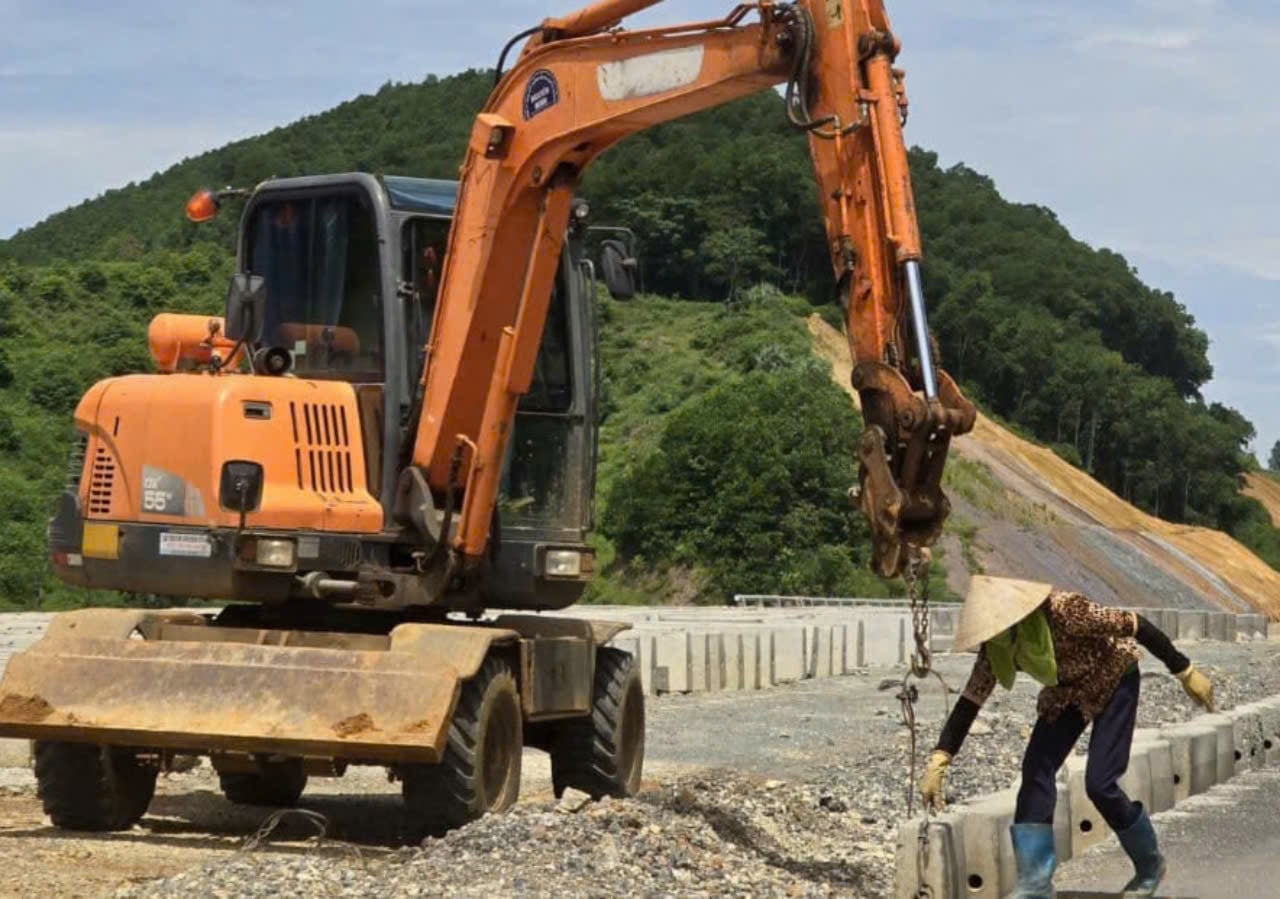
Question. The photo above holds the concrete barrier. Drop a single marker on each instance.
(1165, 767)
(787, 655)
(1159, 755)
(936, 863)
(884, 639)
(988, 848)
(1087, 824)
(1218, 626)
(1247, 728)
(1192, 625)
(1270, 711)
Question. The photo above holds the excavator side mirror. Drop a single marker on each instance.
(246, 307)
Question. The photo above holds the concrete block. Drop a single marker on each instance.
(1180, 757)
(943, 621)
(671, 663)
(755, 660)
(645, 658)
(824, 634)
(1270, 711)
(884, 636)
(942, 871)
(1159, 754)
(1225, 750)
(1087, 824)
(731, 661)
(1249, 751)
(715, 663)
(1219, 625)
(1062, 834)
(1136, 781)
(1253, 626)
(1204, 757)
(988, 849)
(787, 656)
(844, 651)
(698, 662)
(1192, 625)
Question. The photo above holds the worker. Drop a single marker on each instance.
(1086, 658)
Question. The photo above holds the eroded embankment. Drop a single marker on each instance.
(1054, 522)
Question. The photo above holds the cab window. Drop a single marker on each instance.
(423, 243)
(319, 257)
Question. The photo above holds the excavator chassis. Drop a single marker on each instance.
(180, 683)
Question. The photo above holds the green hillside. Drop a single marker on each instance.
(1055, 337)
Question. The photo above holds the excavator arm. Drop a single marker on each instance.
(580, 86)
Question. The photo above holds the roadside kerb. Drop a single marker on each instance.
(1166, 766)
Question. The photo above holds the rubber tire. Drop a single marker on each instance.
(480, 771)
(278, 785)
(87, 787)
(603, 755)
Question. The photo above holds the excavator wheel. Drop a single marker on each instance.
(603, 755)
(277, 784)
(88, 787)
(480, 771)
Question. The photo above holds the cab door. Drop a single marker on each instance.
(546, 499)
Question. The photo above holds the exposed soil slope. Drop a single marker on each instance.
(1266, 490)
(1051, 521)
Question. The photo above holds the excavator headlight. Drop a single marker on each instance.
(273, 553)
(564, 563)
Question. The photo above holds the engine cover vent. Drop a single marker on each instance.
(322, 448)
(102, 482)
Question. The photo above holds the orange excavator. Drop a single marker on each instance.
(392, 431)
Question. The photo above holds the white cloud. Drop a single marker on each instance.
(1146, 40)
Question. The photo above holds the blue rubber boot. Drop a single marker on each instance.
(1033, 851)
(1139, 842)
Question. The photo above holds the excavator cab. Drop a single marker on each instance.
(267, 462)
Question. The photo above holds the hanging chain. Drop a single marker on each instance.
(916, 576)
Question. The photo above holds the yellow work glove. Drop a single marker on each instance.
(1198, 687)
(934, 783)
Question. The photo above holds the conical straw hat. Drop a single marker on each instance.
(995, 604)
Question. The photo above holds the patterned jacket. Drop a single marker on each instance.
(1093, 646)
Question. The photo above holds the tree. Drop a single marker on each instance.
(1274, 462)
(749, 482)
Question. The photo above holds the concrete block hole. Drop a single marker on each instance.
(1177, 779)
(1238, 756)
(975, 882)
(1085, 825)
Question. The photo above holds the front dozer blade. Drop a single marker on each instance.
(189, 686)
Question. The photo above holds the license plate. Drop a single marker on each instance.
(192, 546)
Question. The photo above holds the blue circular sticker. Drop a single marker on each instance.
(542, 93)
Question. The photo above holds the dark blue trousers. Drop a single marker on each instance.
(1109, 744)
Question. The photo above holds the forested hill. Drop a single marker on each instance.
(1060, 340)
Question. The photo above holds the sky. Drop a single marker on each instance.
(1149, 126)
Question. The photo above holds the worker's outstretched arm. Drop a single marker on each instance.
(976, 692)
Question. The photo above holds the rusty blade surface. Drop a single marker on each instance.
(389, 705)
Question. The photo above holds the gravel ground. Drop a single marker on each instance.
(805, 801)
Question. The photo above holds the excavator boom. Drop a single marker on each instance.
(580, 86)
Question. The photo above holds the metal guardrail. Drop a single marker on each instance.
(764, 601)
